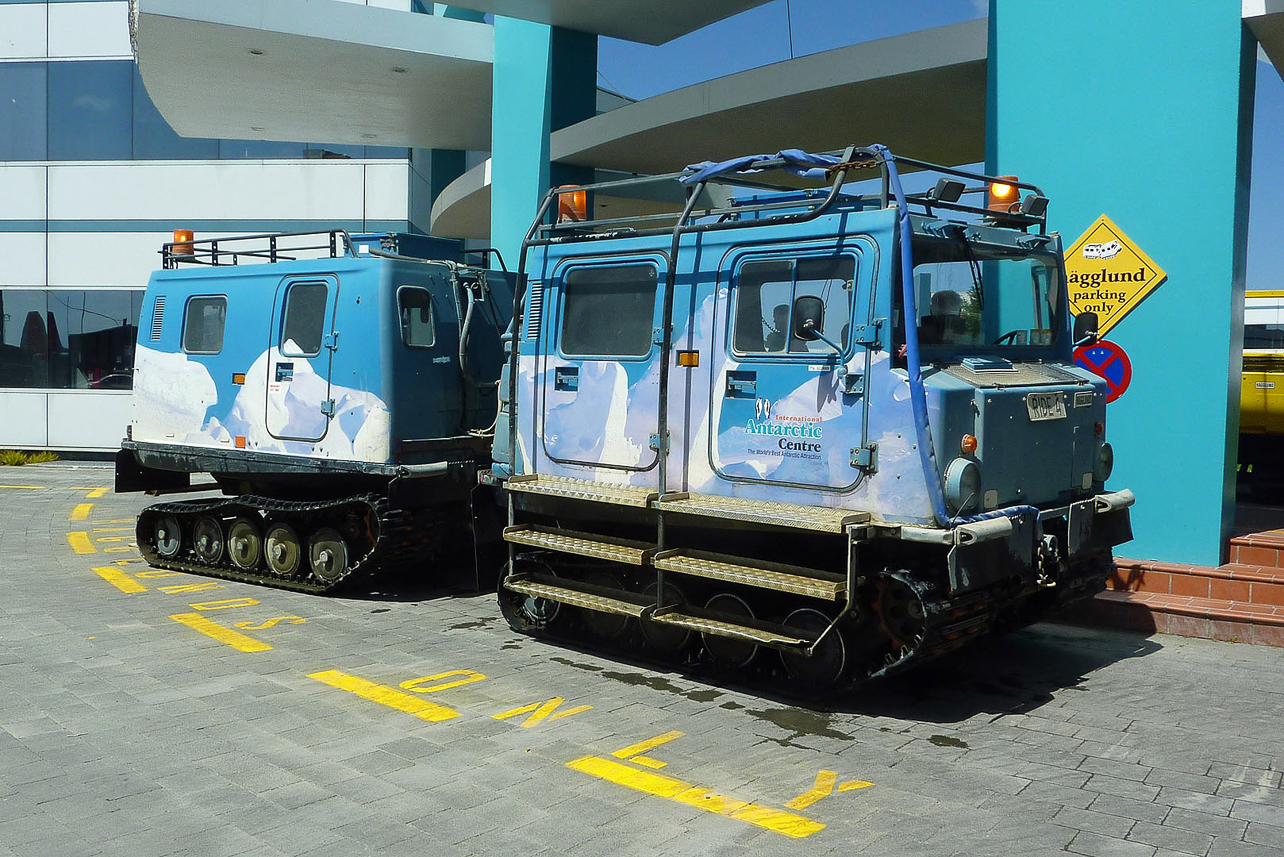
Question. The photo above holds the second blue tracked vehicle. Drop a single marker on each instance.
(843, 428)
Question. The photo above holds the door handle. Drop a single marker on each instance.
(742, 385)
(566, 378)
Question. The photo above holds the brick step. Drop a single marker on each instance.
(1186, 616)
(1262, 549)
(1234, 582)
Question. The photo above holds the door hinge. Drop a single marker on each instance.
(331, 340)
(865, 457)
(853, 383)
(867, 334)
(327, 407)
(658, 442)
(657, 336)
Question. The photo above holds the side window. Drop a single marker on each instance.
(304, 323)
(608, 310)
(418, 325)
(766, 292)
(203, 325)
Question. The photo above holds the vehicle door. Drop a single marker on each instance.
(600, 364)
(788, 409)
(302, 347)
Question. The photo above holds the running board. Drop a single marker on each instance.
(777, 577)
(581, 544)
(733, 630)
(581, 489)
(772, 513)
(579, 595)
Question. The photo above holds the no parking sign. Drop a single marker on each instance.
(1108, 361)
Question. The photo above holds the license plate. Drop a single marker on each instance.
(1045, 406)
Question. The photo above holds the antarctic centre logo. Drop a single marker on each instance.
(793, 434)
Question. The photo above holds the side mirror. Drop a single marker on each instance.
(809, 318)
(1085, 328)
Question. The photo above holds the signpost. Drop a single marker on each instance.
(1108, 361)
(1108, 274)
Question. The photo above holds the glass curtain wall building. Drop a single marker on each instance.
(93, 180)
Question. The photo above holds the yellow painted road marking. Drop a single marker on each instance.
(81, 511)
(96, 493)
(384, 695)
(181, 588)
(823, 788)
(151, 572)
(225, 604)
(113, 529)
(269, 623)
(542, 711)
(659, 785)
(123, 549)
(24, 487)
(119, 579)
(118, 521)
(424, 685)
(130, 562)
(648, 762)
(114, 538)
(235, 639)
(80, 542)
(648, 744)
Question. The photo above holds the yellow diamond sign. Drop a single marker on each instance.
(1108, 274)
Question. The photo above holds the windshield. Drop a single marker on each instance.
(973, 296)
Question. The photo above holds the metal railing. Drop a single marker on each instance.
(265, 248)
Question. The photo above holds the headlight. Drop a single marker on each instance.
(1105, 463)
(963, 485)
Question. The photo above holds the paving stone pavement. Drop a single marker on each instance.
(126, 732)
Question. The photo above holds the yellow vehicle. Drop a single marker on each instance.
(1261, 398)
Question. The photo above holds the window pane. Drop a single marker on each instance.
(258, 149)
(22, 111)
(830, 280)
(608, 311)
(90, 110)
(1263, 336)
(418, 329)
(24, 354)
(155, 140)
(68, 338)
(304, 319)
(203, 325)
(762, 306)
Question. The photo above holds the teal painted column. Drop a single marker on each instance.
(1143, 111)
(544, 79)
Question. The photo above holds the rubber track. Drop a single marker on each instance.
(393, 532)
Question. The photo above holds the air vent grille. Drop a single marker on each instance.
(534, 310)
(158, 315)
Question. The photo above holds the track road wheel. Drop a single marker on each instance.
(168, 536)
(282, 550)
(606, 625)
(328, 554)
(527, 613)
(726, 652)
(667, 640)
(828, 662)
(900, 612)
(207, 539)
(245, 544)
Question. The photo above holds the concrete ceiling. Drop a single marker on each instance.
(327, 72)
(1266, 19)
(855, 94)
(651, 21)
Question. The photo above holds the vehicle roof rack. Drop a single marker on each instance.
(812, 184)
(268, 248)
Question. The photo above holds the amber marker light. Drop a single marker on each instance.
(1099, 427)
(572, 206)
(183, 242)
(240, 441)
(238, 378)
(1003, 196)
(968, 444)
(689, 358)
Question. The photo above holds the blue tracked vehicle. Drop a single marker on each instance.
(340, 388)
(845, 429)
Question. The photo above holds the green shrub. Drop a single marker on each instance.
(41, 457)
(12, 457)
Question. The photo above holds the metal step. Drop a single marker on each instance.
(582, 489)
(778, 577)
(793, 515)
(708, 625)
(578, 594)
(580, 544)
